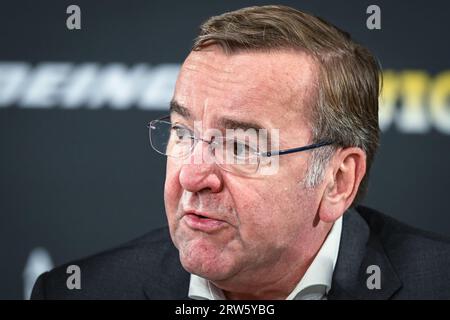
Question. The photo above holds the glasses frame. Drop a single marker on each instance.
(259, 154)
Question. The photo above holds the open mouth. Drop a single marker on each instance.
(203, 223)
(199, 216)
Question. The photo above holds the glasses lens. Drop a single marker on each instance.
(236, 156)
(171, 140)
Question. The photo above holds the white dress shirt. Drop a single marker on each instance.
(314, 285)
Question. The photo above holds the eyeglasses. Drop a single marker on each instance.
(240, 156)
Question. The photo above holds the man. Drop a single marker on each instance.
(250, 221)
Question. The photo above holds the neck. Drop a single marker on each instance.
(275, 281)
(277, 289)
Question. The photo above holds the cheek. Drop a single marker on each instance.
(172, 189)
(257, 207)
(277, 213)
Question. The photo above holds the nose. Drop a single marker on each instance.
(201, 173)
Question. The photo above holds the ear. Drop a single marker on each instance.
(343, 177)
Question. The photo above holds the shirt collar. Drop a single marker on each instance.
(202, 289)
(315, 283)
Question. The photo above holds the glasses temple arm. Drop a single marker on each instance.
(293, 150)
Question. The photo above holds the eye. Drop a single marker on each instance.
(240, 149)
(181, 133)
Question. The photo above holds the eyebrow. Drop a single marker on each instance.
(237, 124)
(175, 107)
(227, 123)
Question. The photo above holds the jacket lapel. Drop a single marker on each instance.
(169, 281)
(168, 288)
(359, 249)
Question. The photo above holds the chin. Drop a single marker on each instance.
(212, 274)
(205, 262)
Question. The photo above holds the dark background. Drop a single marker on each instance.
(80, 180)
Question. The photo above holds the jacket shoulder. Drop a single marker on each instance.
(395, 232)
(120, 273)
(421, 259)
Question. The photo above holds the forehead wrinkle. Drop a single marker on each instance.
(281, 88)
(198, 86)
(216, 66)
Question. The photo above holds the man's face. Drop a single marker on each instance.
(256, 223)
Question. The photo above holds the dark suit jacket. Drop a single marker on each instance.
(413, 265)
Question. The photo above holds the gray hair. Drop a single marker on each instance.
(346, 108)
